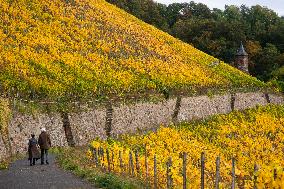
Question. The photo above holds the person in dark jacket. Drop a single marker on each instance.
(33, 151)
(44, 143)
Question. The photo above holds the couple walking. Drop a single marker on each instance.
(44, 144)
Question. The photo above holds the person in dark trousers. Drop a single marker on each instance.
(44, 143)
(33, 150)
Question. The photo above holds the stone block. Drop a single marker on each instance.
(249, 100)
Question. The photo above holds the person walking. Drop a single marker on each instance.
(33, 150)
(44, 143)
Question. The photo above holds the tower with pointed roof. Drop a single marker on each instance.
(241, 61)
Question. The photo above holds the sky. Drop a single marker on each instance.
(276, 5)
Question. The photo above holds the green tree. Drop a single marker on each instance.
(174, 13)
(266, 62)
(147, 10)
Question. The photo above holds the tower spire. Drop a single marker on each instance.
(241, 51)
(241, 61)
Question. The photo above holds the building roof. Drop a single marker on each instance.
(241, 51)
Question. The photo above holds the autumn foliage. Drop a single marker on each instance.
(253, 137)
(75, 48)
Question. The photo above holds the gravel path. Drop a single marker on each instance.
(21, 175)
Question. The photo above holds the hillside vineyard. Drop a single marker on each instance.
(80, 49)
(253, 137)
(64, 52)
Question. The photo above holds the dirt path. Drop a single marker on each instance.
(23, 176)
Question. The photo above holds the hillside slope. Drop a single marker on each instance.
(253, 136)
(76, 48)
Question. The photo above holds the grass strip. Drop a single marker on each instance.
(76, 161)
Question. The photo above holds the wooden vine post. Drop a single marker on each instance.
(146, 165)
(130, 165)
(217, 180)
(137, 163)
(102, 157)
(112, 160)
(255, 170)
(108, 160)
(169, 176)
(184, 162)
(202, 170)
(155, 173)
(120, 162)
(95, 153)
(233, 172)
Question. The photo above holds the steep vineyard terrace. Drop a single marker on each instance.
(78, 50)
(82, 62)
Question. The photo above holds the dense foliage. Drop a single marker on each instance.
(253, 137)
(219, 32)
(78, 49)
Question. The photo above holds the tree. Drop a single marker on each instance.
(266, 62)
(174, 13)
(146, 10)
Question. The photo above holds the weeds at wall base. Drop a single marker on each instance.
(5, 164)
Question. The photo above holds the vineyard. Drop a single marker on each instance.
(245, 148)
(68, 49)
(64, 51)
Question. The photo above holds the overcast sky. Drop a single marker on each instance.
(276, 5)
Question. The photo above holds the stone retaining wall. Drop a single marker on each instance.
(249, 100)
(128, 118)
(21, 127)
(142, 116)
(88, 125)
(203, 106)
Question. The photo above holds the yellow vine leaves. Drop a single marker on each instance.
(253, 137)
(55, 48)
